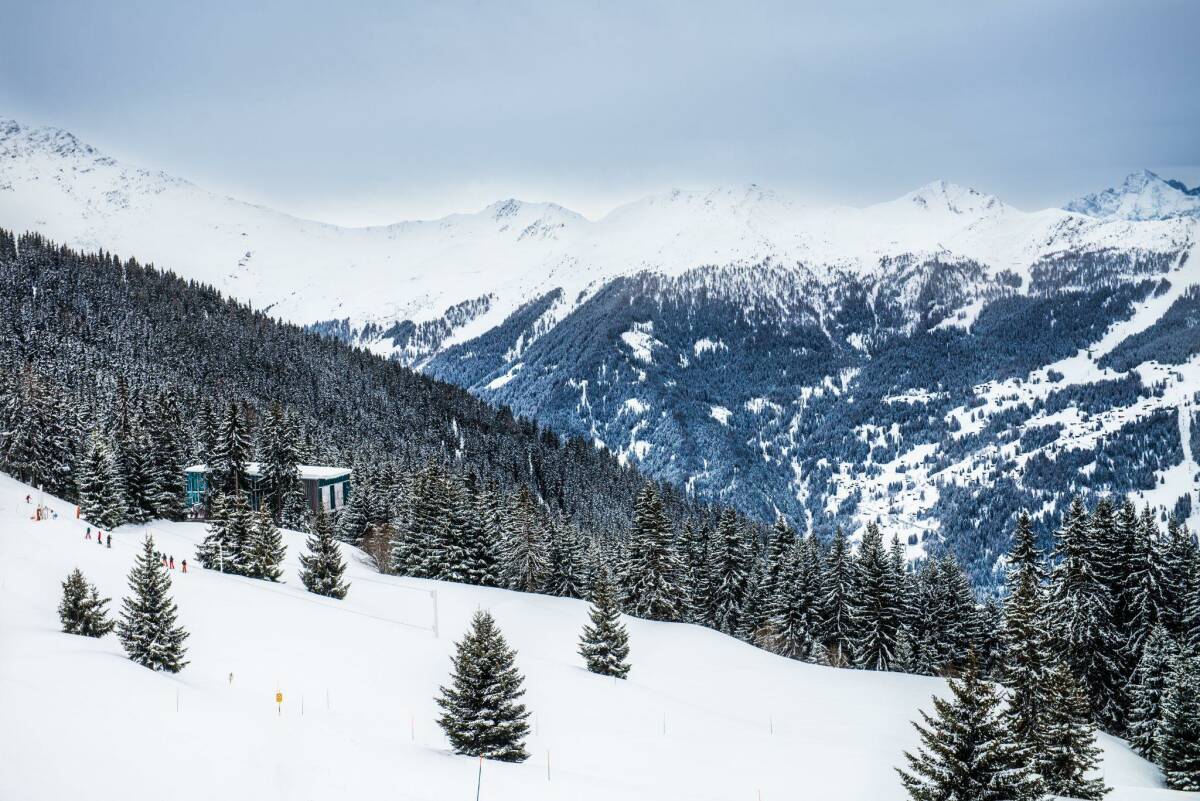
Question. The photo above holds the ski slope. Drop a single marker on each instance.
(702, 717)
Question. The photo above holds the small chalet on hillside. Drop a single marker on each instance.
(326, 487)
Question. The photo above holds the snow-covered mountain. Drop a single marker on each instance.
(702, 716)
(1143, 196)
(933, 362)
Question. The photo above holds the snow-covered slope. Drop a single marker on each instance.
(1143, 196)
(702, 716)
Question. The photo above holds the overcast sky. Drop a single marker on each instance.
(371, 112)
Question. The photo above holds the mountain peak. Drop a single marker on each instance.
(944, 196)
(1143, 195)
(17, 140)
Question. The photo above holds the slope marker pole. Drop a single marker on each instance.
(479, 779)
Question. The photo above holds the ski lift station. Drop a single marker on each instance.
(325, 487)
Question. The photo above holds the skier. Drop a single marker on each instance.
(99, 539)
(184, 565)
(27, 499)
(172, 562)
(110, 541)
(88, 536)
(164, 558)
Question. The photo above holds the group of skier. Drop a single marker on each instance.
(105, 540)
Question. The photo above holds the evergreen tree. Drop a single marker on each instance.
(876, 607)
(322, 568)
(355, 516)
(280, 462)
(165, 462)
(566, 575)
(967, 753)
(604, 645)
(1179, 732)
(1148, 687)
(230, 529)
(98, 500)
(1080, 607)
(653, 572)
(482, 715)
(138, 480)
(1026, 668)
(729, 574)
(484, 534)
(793, 610)
(1067, 740)
(228, 462)
(82, 610)
(147, 628)
(524, 561)
(837, 592)
(265, 549)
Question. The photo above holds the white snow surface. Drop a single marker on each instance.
(305, 271)
(702, 717)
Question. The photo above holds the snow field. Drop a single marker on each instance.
(703, 716)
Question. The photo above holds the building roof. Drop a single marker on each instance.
(314, 472)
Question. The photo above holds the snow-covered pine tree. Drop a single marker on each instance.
(82, 610)
(1179, 559)
(322, 568)
(1026, 657)
(781, 541)
(1147, 688)
(1067, 753)
(148, 628)
(729, 566)
(604, 645)
(227, 465)
(524, 560)
(653, 571)
(752, 627)
(138, 480)
(876, 606)
(98, 501)
(905, 658)
(1080, 611)
(26, 429)
(279, 459)
(967, 753)
(484, 535)
(566, 577)
(230, 528)
(482, 714)
(837, 592)
(1145, 578)
(168, 488)
(265, 549)
(694, 547)
(1179, 731)
(793, 608)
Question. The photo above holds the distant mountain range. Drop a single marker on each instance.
(933, 361)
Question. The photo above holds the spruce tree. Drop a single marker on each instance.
(265, 550)
(876, 606)
(653, 572)
(98, 499)
(1025, 668)
(147, 628)
(1148, 688)
(1067, 751)
(793, 609)
(484, 534)
(482, 715)
(354, 518)
(524, 557)
(82, 610)
(227, 463)
(729, 569)
(837, 593)
(1081, 610)
(230, 529)
(967, 753)
(322, 568)
(1179, 732)
(604, 645)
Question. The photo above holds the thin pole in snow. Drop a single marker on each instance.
(479, 779)
(771, 723)
(176, 699)
(412, 722)
(433, 595)
(664, 724)
(547, 764)
(302, 706)
(327, 699)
